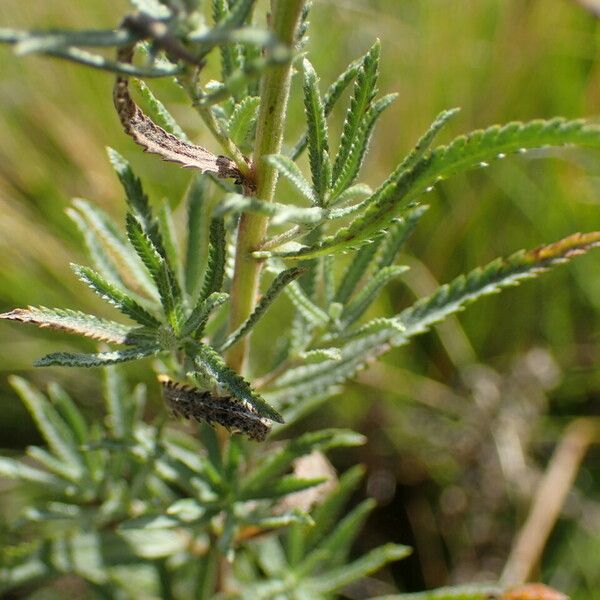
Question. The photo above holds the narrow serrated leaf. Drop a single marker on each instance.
(198, 232)
(463, 154)
(162, 275)
(212, 364)
(100, 359)
(194, 326)
(288, 169)
(158, 112)
(306, 381)
(334, 92)
(305, 306)
(217, 254)
(363, 299)
(277, 286)
(318, 145)
(122, 257)
(116, 297)
(354, 159)
(364, 91)
(74, 322)
(243, 120)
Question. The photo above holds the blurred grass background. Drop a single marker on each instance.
(456, 447)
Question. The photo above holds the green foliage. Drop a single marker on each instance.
(131, 499)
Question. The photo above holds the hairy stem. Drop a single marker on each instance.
(274, 93)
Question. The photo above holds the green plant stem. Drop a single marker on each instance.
(274, 93)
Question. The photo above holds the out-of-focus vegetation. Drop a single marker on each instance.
(455, 447)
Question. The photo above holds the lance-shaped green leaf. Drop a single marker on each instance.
(288, 484)
(197, 320)
(167, 226)
(217, 254)
(278, 521)
(73, 321)
(278, 462)
(288, 169)
(119, 264)
(118, 414)
(212, 364)
(355, 271)
(56, 432)
(319, 355)
(163, 276)
(318, 145)
(327, 513)
(279, 213)
(460, 592)
(397, 235)
(369, 563)
(158, 112)
(198, 232)
(305, 306)
(242, 122)
(315, 379)
(463, 154)
(424, 142)
(334, 93)
(14, 469)
(357, 191)
(354, 160)
(69, 412)
(333, 550)
(363, 299)
(138, 200)
(364, 91)
(276, 287)
(99, 359)
(114, 296)
(231, 57)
